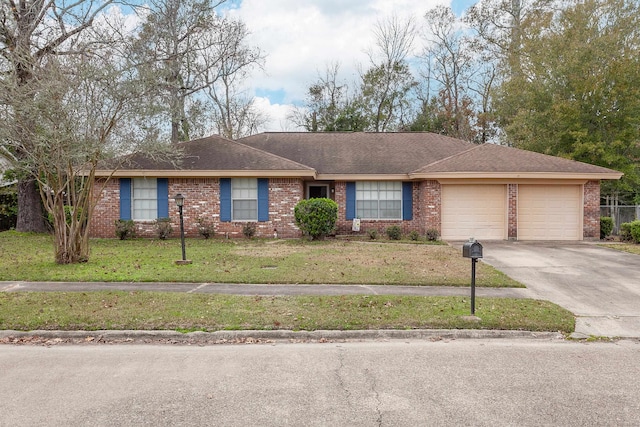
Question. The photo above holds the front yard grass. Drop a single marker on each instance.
(625, 247)
(104, 310)
(29, 257)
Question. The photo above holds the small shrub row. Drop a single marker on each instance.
(394, 232)
(630, 232)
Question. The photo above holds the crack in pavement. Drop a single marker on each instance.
(376, 394)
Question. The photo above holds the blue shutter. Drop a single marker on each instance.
(125, 198)
(351, 201)
(263, 199)
(225, 199)
(407, 201)
(163, 197)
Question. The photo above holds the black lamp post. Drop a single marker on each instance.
(179, 198)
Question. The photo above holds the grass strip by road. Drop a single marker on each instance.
(624, 247)
(29, 257)
(117, 310)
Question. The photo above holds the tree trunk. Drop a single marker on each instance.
(30, 212)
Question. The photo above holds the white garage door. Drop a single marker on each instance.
(549, 212)
(478, 211)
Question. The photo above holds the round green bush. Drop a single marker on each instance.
(394, 232)
(635, 231)
(316, 217)
(606, 226)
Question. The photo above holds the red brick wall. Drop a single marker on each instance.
(202, 201)
(429, 204)
(512, 227)
(591, 222)
(426, 211)
(107, 210)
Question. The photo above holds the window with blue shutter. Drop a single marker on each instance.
(351, 201)
(407, 201)
(263, 199)
(225, 199)
(163, 198)
(125, 198)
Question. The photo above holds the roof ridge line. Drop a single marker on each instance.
(474, 147)
(274, 155)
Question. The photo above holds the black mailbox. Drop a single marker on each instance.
(472, 249)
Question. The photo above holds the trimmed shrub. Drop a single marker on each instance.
(625, 232)
(125, 229)
(205, 228)
(433, 235)
(635, 231)
(249, 230)
(606, 226)
(394, 232)
(316, 217)
(373, 234)
(414, 235)
(163, 228)
(630, 231)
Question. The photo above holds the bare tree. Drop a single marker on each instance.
(234, 113)
(451, 64)
(77, 107)
(388, 81)
(32, 33)
(187, 52)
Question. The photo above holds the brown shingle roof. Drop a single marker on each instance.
(359, 152)
(497, 158)
(416, 155)
(217, 153)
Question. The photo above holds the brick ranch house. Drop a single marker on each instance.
(419, 181)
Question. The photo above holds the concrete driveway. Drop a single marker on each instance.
(600, 286)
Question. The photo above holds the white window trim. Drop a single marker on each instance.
(133, 200)
(378, 200)
(233, 199)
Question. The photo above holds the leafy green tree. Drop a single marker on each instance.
(330, 107)
(578, 95)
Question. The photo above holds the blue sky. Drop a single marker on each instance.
(301, 37)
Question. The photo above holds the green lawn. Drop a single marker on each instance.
(29, 257)
(625, 247)
(189, 312)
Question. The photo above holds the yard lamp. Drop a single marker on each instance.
(179, 198)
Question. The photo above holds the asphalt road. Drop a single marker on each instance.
(396, 383)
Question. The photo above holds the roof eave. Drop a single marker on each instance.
(516, 175)
(130, 173)
(362, 177)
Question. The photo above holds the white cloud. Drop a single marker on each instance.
(300, 37)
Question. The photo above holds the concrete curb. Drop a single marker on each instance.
(255, 336)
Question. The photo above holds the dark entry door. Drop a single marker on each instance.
(318, 191)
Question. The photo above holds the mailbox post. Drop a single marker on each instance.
(472, 249)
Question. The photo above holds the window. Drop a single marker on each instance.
(379, 200)
(244, 199)
(144, 196)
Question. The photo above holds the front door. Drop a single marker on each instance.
(315, 191)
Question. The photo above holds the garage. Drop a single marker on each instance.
(549, 212)
(478, 211)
